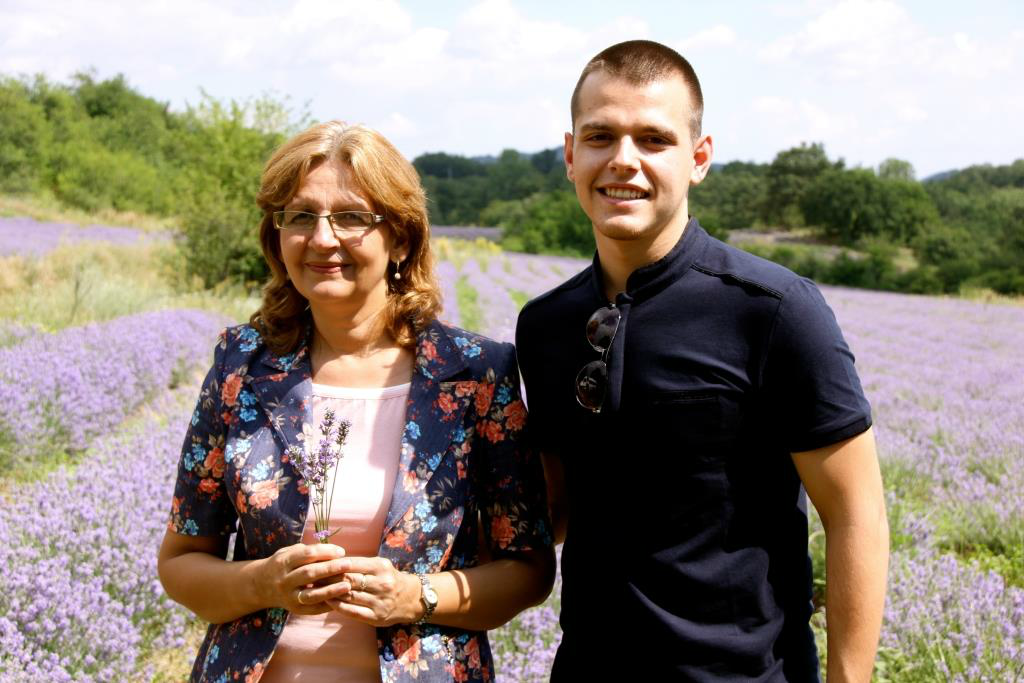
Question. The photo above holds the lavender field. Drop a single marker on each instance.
(79, 597)
(19, 235)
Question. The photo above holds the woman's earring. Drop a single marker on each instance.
(398, 264)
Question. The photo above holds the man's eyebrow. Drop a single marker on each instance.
(666, 133)
(602, 127)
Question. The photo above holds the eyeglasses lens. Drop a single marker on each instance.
(591, 385)
(601, 328)
(297, 220)
(342, 220)
(592, 379)
(351, 220)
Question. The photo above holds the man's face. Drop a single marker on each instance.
(631, 156)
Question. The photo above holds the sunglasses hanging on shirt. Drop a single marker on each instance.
(592, 379)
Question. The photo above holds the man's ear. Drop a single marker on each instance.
(702, 153)
(567, 155)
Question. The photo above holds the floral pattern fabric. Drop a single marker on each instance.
(463, 462)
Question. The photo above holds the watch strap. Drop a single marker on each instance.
(428, 597)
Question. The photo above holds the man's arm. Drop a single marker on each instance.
(554, 475)
(844, 483)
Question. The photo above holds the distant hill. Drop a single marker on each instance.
(941, 175)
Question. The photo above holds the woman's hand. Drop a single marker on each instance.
(374, 592)
(301, 577)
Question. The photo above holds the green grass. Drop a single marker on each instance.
(174, 664)
(459, 251)
(48, 209)
(73, 285)
(519, 297)
(469, 310)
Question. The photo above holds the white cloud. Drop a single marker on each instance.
(851, 38)
(803, 120)
(397, 126)
(719, 35)
(911, 113)
(869, 39)
(856, 74)
(772, 104)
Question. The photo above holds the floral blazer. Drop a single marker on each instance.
(462, 461)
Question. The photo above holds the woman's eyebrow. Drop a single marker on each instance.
(298, 204)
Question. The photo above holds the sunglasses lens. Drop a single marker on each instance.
(591, 384)
(601, 328)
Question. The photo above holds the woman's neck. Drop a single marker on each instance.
(341, 335)
(357, 353)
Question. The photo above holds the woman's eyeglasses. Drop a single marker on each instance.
(341, 221)
(592, 379)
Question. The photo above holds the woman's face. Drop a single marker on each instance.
(344, 271)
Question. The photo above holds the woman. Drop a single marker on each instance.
(433, 477)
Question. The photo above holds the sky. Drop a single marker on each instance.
(939, 84)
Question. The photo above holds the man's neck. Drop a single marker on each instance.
(619, 258)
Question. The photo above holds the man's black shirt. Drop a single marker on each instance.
(686, 556)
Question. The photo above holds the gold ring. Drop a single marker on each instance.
(362, 584)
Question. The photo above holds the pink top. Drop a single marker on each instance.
(329, 647)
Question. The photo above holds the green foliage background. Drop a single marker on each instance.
(96, 145)
(100, 144)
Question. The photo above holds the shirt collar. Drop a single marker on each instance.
(646, 281)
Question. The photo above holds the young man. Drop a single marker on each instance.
(685, 395)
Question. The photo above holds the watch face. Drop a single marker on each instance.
(428, 596)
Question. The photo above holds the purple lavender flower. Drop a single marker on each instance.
(83, 604)
(315, 463)
(28, 237)
(12, 332)
(58, 391)
(447, 275)
(943, 376)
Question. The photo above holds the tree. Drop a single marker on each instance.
(225, 158)
(896, 169)
(450, 166)
(851, 205)
(513, 176)
(24, 138)
(730, 197)
(789, 175)
(544, 222)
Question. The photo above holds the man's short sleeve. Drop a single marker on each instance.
(810, 384)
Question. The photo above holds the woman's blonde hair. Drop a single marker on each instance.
(393, 188)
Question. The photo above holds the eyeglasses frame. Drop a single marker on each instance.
(279, 215)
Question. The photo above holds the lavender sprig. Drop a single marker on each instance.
(315, 464)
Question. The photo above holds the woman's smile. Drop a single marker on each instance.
(328, 267)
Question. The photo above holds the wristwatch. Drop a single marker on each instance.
(428, 597)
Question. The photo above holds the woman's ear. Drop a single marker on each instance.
(400, 252)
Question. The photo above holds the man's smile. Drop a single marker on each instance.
(623, 192)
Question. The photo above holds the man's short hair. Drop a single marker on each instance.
(640, 62)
